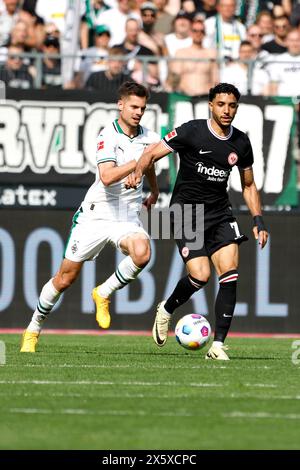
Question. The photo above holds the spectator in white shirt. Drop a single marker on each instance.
(181, 37)
(285, 70)
(239, 73)
(115, 19)
(8, 17)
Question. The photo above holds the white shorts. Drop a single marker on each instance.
(89, 234)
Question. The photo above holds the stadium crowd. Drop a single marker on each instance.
(183, 46)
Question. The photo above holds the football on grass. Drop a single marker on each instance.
(193, 331)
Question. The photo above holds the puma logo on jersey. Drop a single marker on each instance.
(204, 151)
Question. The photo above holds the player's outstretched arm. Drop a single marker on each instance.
(252, 199)
(147, 159)
(111, 173)
(153, 196)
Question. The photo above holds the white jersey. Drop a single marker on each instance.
(115, 202)
(237, 75)
(285, 70)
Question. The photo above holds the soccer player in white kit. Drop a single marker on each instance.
(109, 213)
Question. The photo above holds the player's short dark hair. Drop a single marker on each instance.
(132, 88)
(224, 88)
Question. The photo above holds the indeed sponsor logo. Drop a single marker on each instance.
(212, 171)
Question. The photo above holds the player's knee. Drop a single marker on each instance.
(205, 277)
(202, 275)
(142, 253)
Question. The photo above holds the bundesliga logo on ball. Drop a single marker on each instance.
(193, 331)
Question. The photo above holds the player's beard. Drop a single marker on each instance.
(134, 122)
(224, 125)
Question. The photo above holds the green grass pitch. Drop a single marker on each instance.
(122, 392)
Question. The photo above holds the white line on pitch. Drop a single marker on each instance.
(96, 382)
(261, 415)
(77, 411)
(148, 395)
(102, 395)
(127, 366)
(260, 385)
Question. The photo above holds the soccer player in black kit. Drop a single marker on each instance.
(208, 150)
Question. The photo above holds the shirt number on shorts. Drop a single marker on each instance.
(235, 227)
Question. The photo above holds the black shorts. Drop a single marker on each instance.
(219, 228)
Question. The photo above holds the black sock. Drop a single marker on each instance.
(185, 288)
(225, 304)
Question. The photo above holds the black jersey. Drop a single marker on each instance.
(206, 160)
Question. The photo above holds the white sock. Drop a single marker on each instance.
(218, 343)
(47, 299)
(126, 272)
(162, 307)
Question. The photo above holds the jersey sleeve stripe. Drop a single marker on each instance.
(166, 145)
(108, 159)
(247, 168)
